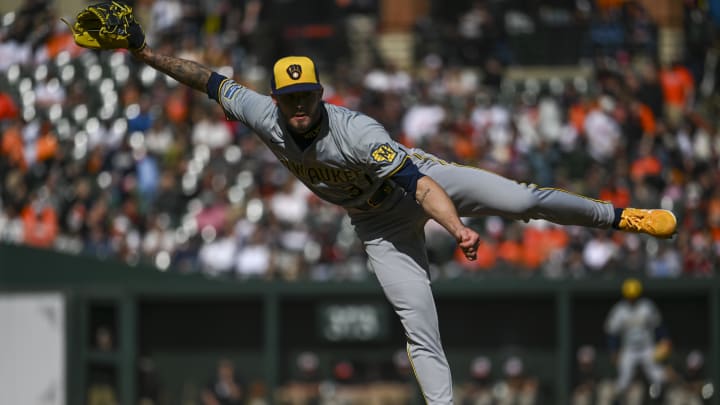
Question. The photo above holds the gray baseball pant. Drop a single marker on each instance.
(394, 240)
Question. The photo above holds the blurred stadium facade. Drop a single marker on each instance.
(170, 230)
(165, 332)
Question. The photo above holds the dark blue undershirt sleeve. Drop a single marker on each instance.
(613, 343)
(407, 177)
(661, 333)
(213, 85)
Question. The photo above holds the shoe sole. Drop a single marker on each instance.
(672, 235)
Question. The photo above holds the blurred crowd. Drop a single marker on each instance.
(393, 382)
(102, 156)
(505, 380)
(687, 382)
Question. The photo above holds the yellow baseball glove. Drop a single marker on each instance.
(662, 350)
(107, 25)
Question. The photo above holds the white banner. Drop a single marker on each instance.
(32, 348)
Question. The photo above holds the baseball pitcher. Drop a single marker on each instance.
(388, 190)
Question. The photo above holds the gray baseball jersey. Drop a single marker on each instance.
(351, 162)
(341, 167)
(635, 324)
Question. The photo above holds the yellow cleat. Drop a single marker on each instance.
(658, 223)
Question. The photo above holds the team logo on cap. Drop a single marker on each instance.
(294, 71)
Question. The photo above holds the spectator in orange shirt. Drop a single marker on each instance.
(556, 238)
(578, 111)
(60, 42)
(40, 223)
(534, 252)
(176, 106)
(616, 192)
(678, 88)
(646, 166)
(12, 146)
(713, 215)
(8, 108)
(645, 117)
(540, 241)
(47, 144)
(510, 251)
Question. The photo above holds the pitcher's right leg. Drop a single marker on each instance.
(478, 192)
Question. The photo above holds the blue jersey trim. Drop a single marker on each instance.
(213, 85)
(408, 176)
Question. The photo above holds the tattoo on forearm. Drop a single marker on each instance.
(423, 195)
(187, 72)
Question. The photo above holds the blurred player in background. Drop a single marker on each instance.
(637, 338)
(226, 387)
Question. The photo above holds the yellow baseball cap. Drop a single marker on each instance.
(294, 73)
(631, 288)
